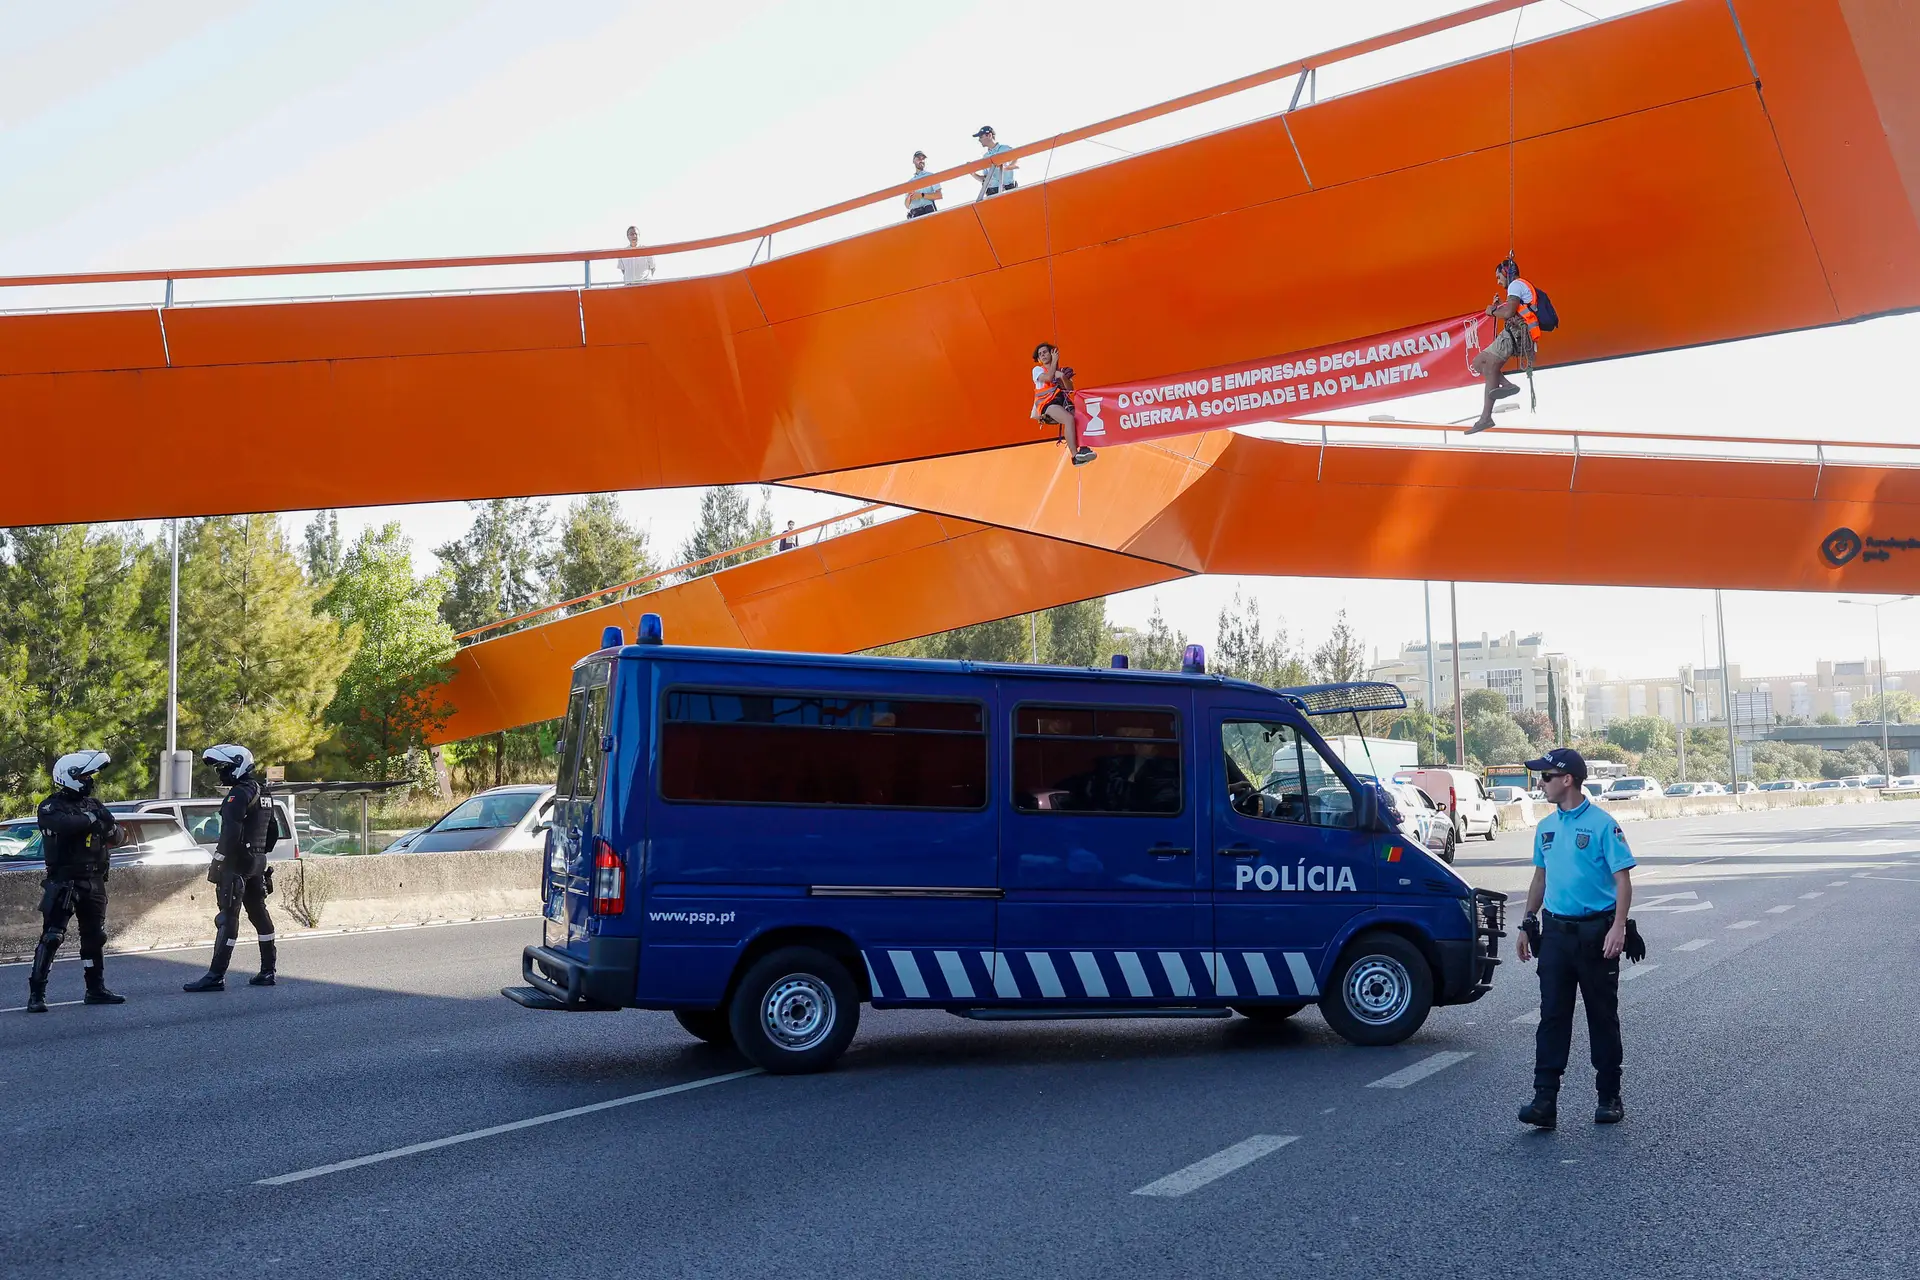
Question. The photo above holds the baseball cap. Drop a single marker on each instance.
(985, 128)
(919, 155)
(1561, 760)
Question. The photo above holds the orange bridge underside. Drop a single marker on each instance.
(1665, 196)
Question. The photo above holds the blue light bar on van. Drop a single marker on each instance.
(612, 638)
(1348, 695)
(651, 630)
(1194, 662)
(1119, 662)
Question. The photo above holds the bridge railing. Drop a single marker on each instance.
(1360, 64)
(803, 535)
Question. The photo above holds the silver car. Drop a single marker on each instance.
(514, 817)
(152, 840)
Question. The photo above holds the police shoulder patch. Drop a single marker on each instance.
(1546, 838)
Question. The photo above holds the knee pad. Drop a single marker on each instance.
(52, 939)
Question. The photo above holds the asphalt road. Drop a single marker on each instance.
(1771, 1128)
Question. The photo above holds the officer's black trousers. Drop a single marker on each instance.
(1570, 961)
(231, 895)
(61, 901)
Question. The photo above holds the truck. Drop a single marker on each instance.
(762, 844)
(1378, 757)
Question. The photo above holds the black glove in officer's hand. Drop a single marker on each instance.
(1636, 947)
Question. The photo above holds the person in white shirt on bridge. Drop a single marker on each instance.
(639, 268)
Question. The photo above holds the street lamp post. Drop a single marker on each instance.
(1880, 656)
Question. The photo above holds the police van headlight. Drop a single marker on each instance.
(1467, 906)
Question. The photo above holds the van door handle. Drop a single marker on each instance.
(1237, 851)
(1169, 851)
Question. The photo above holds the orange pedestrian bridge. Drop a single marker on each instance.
(1692, 172)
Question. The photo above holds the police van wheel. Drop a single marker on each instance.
(794, 1011)
(1267, 1015)
(1381, 990)
(710, 1025)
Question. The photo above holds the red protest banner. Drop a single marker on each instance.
(1406, 362)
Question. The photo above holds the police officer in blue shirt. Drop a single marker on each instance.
(1582, 876)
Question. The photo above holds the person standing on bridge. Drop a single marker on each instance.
(1053, 399)
(239, 873)
(997, 177)
(922, 201)
(76, 832)
(1519, 336)
(639, 268)
(1583, 877)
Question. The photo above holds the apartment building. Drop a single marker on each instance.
(1519, 667)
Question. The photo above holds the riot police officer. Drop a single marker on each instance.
(76, 831)
(239, 872)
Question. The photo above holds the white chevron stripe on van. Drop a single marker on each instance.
(873, 979)
(1005, 985)
(958, 984)
(1043, 973)
(1262, 976)
(1092, 981)
(1137, 983)
(1302, 974)
(912, 985)
(1222, 976)
(1178, 974)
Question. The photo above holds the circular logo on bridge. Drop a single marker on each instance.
(1840, 546)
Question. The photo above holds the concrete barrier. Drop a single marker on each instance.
(1700, 806)
(152, 907)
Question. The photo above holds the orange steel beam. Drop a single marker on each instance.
(1677, 177)
(1229, 504)
(894, 581)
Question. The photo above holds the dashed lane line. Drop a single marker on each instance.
(1531, 1018)
(1694, 945)
(1218, 1165)
(1814, 894)
(51, 1004)
(1640, 970)
(1785, 906)
(1422, 1069)
(475, 1135)
(1743, 924)
(1836, 884)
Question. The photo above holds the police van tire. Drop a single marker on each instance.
(711, 1025)
(795, 1010)
(1268, 1015)
(1381, 991)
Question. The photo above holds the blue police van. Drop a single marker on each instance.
(762, 843)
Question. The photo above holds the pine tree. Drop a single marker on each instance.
(387, 701)
(1161, 648)
(1342, 656)
(1077, 634)
(727, 520)
(321, 547)
(81, 663)
(259, 661)
(598, 548)
(1242, 648)
(498, 568)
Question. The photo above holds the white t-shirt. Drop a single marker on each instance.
(637, 270)
(1522, 290)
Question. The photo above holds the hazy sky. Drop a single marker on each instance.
(214, 132)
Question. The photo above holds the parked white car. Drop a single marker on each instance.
(1784, 784)
(1516, 796)
(1462, 795)
(201, 819)
(1682, 789)
(1632, 787)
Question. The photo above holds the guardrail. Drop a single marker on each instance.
(619, 591)
(1304, 71)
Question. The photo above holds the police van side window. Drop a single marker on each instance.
(721, 746)
(578, 782)
(1273, 773)
(1108, 760)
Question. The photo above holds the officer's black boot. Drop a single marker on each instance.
(36, 997)
(215, 978)
(269, 954)
(97, 992)
(1544, 1111)
(1610, 1111)
(37, 977)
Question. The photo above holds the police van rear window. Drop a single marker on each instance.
(722, 746)
(1096, 760)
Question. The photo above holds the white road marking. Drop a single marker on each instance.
(51, 1004)
(1743, 924)
(1640, 970)
(1774, 911)
(1529, 1019)
(1422, 1069)
(477, 1134)
(1836, 884)
(1695, 945)
(1218, 1165)
(1815, 894)
(1675, 902)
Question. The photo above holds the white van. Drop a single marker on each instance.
(1462, 795)
(201, 818)
(1632, 787)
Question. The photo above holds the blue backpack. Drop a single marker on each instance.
(1543, 308)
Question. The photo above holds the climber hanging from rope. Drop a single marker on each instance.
(1523, 316)
(1053, 399)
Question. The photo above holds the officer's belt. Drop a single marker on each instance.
(1573, 922)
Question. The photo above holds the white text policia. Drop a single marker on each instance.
(1295, 878)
